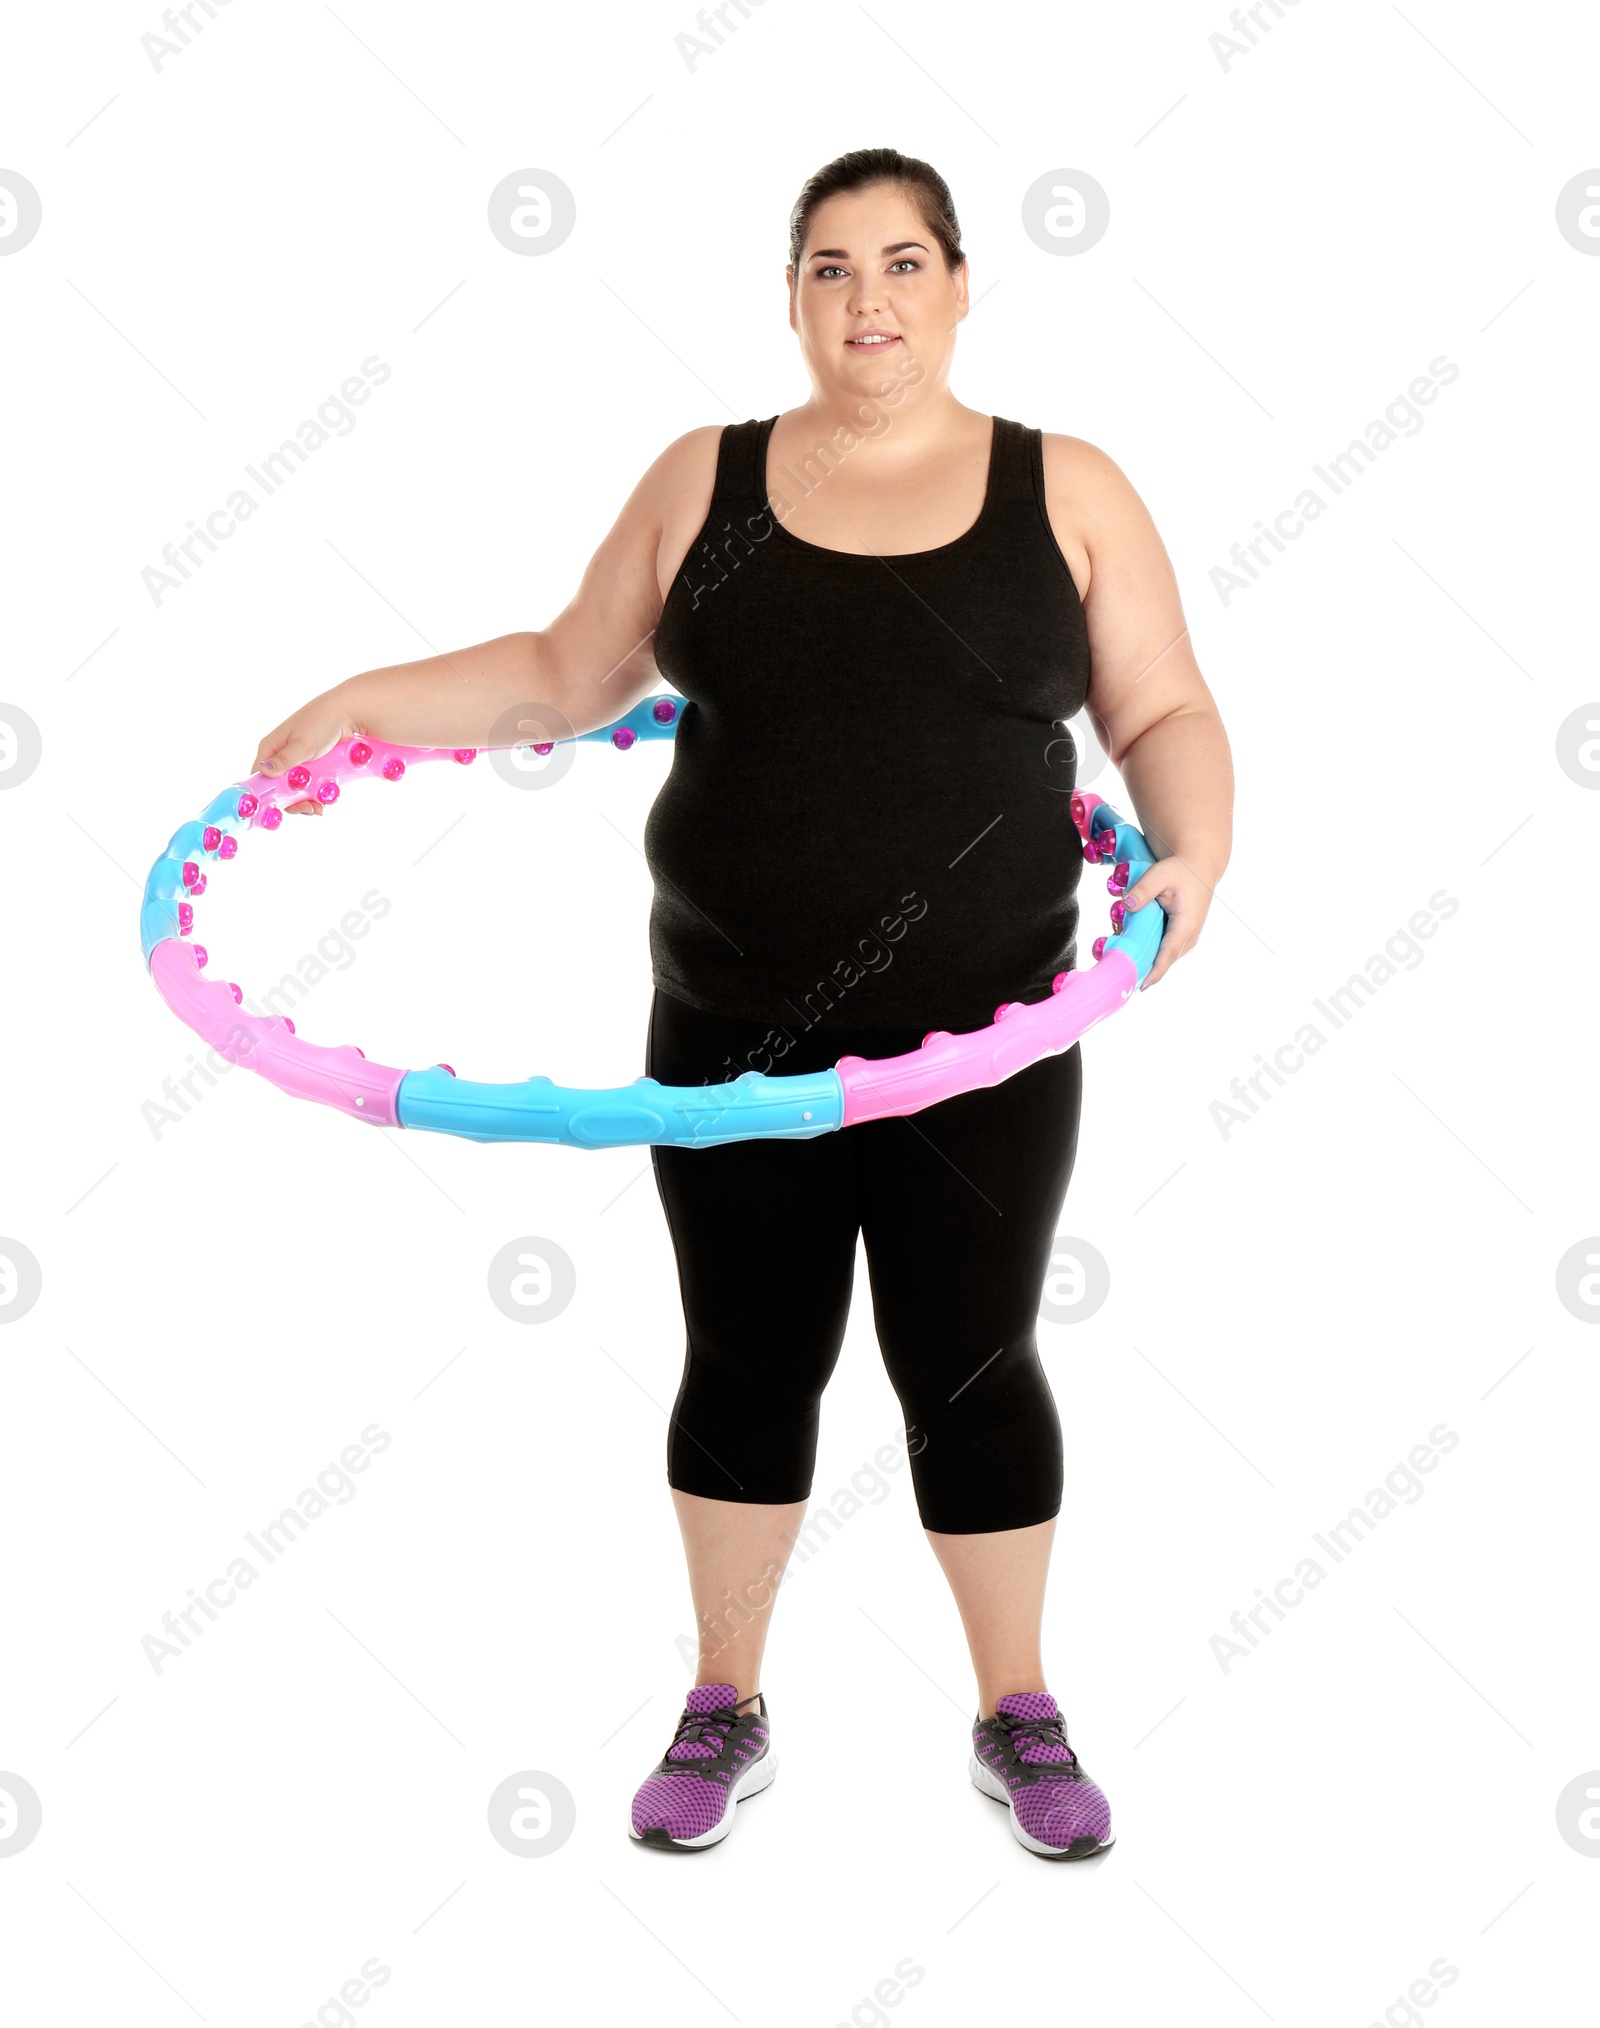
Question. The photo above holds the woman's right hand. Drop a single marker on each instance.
(306, 735)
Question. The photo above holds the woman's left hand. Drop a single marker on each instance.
(1185, 896)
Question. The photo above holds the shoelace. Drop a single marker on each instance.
(1048, 1732)
(705, 1731)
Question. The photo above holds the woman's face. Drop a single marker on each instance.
(870, 264)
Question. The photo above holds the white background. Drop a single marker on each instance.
(229, 1301)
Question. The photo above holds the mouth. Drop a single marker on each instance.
(874, 341)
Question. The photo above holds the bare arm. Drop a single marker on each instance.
(1147, 700)
(592, 661)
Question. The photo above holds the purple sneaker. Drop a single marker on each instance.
(719, 1756)
(1021, 1757)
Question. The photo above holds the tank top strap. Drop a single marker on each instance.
(1017, 458)
(738, 482)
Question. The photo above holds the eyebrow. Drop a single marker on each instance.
(838, 253)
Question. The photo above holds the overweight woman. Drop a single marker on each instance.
(881, 606)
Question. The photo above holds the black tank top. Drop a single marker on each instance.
(867, 822)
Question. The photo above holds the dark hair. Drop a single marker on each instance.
(921, 182)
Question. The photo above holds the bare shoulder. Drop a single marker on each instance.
(1090, 501)
(680, 484)
(1070, 486)
(1080, 471)
(690, 460)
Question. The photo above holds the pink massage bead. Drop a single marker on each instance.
(327, 792)
(664, 712)
(271, 817)
(191, 873)
(1098, 947)
(1119, 916)
(466, 753)
(288, 1024)
(248, 804)
(624, 737)
(360, 753)
(228, 848)
(1117, 880)
(1059, 981)
(393, 768)
(237, 993)
(185, 918)
(546, 748)
(211, 837)
(200, 955)
(297, 777)
(198, 886)
(446, 1067)
(359, 1052)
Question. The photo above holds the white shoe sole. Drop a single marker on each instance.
(991, 1785)
(756, 1777)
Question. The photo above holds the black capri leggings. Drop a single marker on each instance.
(957, 1207)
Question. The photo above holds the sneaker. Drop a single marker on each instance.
(719, 1756)
(1021, 1758)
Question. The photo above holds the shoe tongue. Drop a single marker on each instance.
(1028, 1704)
(704, 1698)
(1034, 1704)
(709, 1696)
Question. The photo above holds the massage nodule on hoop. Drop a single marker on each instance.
(754, 1106)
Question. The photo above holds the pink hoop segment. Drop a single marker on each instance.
(876, 1088)
(340, 1077)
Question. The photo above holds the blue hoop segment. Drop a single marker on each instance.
(754, 1106)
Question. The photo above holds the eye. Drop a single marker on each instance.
(905, 261)
(821, 272)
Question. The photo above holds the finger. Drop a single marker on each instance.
(284, 753)
(307, 808)
(1147, 887)
(1172, 948)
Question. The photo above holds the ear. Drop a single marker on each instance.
(788, 275)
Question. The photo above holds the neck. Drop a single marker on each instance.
(915, 419)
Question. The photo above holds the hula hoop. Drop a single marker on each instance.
(754, 1106)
